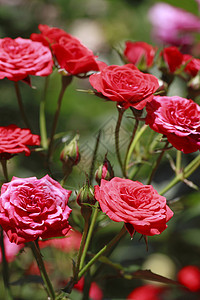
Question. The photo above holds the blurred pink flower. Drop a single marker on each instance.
(66, 244)
(198, 2)
(11, 249)
(172, 25)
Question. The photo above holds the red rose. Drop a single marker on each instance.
(15, 140)
(192, 65)
(177, 118)
(139, 206)
(49, 35)
(173, 58)
(189, 276)
(125, 85)
(32, 208)
(20, 58)
(140, 52)
(70, 54)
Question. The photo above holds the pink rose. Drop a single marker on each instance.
(32, 208)
(140, 52)
(189, 276)
(126, 85)
(11, 249)
(14, 140)
(20, 58)
(70, 53)
(172, 25)
(139, 206)
(178, 119)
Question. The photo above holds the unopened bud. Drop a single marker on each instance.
(70, 154)
(86, 195)
(105, 171)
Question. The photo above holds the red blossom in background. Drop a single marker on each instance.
(175, 60)
(32, 208)
(140, 52)
(14, 140)
(11, 249)
(95, 292)
(139, 206)
(126, 85)
(189, 276)
(20, 58)
(70, 53)
(66, 244)
(172, 57)
(178, 119)
(146, 292)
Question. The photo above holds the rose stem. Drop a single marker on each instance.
(94, 157)
(5, 267)
(178, 161)
(117, 128)
(4, 260)
(157, 163)
(102, 251)
(5, 170)
(130, 143)
(47, 283)
(133, 144)
(84, 235)
(66, 80)
(89, 236)
(20, 103)
(187, 171)
(43, 130)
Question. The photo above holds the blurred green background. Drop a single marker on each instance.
(101, 25)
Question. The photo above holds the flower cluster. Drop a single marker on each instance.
(33, 210)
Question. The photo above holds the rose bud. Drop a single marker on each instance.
(105, 171)
(86, 196)
(70, 155)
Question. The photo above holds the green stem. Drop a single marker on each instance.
(133, 144)
(84, 235)
(5, 170)
(94, 157)
(102, 251)
(117, 128)
(5, 267)
(47, 283)
(43, 130)
(178, 161)
(130, 143)
(21, 107)
(157, 163)
(188, 170)
(66, 80)
(90, 232)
